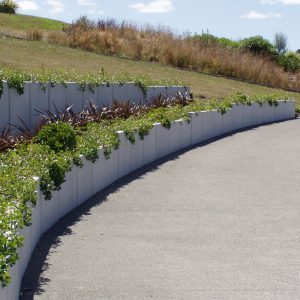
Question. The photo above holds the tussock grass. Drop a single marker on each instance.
(162, 45)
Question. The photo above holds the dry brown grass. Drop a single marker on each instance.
(160, 44)
(163, 46)
(34, 35)
(18, 53)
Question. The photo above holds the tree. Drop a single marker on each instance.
(8, 7)
(280, 42)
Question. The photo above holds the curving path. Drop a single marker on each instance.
(220, 221)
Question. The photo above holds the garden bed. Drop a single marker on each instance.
(105, 151)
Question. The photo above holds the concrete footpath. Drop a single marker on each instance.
(219, 221)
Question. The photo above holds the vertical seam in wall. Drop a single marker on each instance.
(96, 95)
(76, 188)
(82, 97)
(49, 95)
(30, 106)
(9, 106)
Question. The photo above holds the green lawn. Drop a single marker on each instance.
(23, 22)
(29, 55)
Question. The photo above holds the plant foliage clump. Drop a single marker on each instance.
(258, 45)
(8, 7)
(58, 136)
(290, 62)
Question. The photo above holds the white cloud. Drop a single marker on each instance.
(86, 3)
(55, 6)
(271, 2)
(257, 15)
(285, 2)
(96, 12)
(156, 6)
(28, 5)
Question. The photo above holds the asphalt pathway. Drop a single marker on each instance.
(219, 221)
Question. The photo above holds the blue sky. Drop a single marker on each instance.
(229, 18)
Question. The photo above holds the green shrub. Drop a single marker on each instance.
(290, 62)
(8, 6)
(258, 45)
(228, 42)
(58, 136)
(207, 38)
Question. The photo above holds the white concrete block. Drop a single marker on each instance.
(135, 94)
(247, 115)
(50, 211)
(258, 114)
(68, 193)
(4, 105)
(84, 181)
(217, 124)
(125, 150)
(150, 146)
(237, 116)
(36, 227)
(105, 95)
(26, 250)
(185, 134)
(20, 106)
(290, 108)
(3, 293)
(161, 90)
(227, 121)
(172, 91)
(174, 137)
(279, 111)
(154, 92)
(163, 138)
(269, 113)
(90, 96)
(150, 96)
(112, 167)
(137, 153)
(119, 92)
(207, 124)
(39, 102)
(74, 97)
(100, 173)
(58, 97)
(13, 289)
(196, 127)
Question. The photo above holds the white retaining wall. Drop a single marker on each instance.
(82, 183)
(14, 106)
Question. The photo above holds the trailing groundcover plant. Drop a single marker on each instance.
(16, 78)
(58, 144)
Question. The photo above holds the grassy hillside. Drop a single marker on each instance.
(20, 53)
(23, 22)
